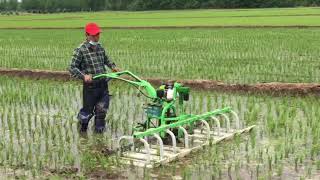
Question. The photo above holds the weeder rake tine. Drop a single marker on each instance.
(227, 120)
(186, 137)
(130, 138)
(216, 120)
(147, 148)
(160, 144)
(205, 123)
(237, 119)
(173, 138)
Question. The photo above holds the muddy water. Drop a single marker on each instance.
(285, 143)
(278, 148)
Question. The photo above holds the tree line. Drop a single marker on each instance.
(48, 6)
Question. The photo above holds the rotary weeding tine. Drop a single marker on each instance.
(237, 119)
(216, 120)
(205, 123)
(130, 138)
(186, 137)
(173, 138)
(160, 144)
(227, 120)
(147, 148)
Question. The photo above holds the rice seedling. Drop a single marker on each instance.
(38, 132)
(229, 55)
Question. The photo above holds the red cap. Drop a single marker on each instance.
(92, 29)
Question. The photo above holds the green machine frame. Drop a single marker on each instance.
(162, 113)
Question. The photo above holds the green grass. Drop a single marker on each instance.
(229, 55)
(238, 17)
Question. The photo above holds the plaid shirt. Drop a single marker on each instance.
(89, 60)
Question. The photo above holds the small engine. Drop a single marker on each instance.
(166, 91)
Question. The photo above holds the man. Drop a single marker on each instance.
(88, 60)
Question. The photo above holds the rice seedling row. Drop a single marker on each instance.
(38, 131)
(229, 55)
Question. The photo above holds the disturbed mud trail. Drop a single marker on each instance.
(274, 88)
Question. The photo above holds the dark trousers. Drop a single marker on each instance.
(95, 103)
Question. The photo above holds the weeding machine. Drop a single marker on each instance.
(166, 119)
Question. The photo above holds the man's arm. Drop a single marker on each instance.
(75, 65)
(109, 63)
